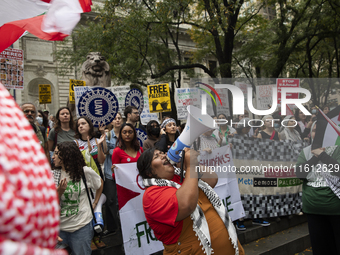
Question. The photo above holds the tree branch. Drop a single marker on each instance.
(177, 67)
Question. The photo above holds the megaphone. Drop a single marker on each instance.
(98, 226)
(197, 124)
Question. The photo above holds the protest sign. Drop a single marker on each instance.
(264, 96)
(185, 97)
(146, 116)
(135, 98)
(12, 68)
(45, 95)
(100, 105)
(78, 92)
(159, 98)
(288, 83)
(221, 160)
(74, 83)
(120, 92)
(243, 87)
(224, 108)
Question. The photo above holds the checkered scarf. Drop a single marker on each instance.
(167, 121)
(332, 181)
(200, 224)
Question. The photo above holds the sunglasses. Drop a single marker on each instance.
(29, 111)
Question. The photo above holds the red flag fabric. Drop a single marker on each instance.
(29, 207)
(58, 23)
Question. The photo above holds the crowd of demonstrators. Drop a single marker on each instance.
(321, 195)
(131, 114)
(30, 113)
(110, 183)
(63, 130)
(169, 134)
(153, 130)
(76, 228)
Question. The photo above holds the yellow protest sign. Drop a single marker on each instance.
(159, 98)
(74, 83)
(45, 95)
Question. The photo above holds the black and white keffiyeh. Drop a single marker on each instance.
(200, 224)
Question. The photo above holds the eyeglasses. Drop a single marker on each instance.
(127, 132)
(29, 111)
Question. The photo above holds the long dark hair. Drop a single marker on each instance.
(45, 120)
(134, 143)
(144, 163)
(91, 131)
(57, 126)
(72, 159)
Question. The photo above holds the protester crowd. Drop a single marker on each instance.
(89, 156)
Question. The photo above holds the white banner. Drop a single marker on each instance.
(146, 116)
(227, 187)
(243, 87)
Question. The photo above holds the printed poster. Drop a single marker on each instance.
(264, 96)
(74, 83)
(159, 98)
(12, 68)
(45, 95)
(287, 83)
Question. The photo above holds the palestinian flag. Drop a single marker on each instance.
(326, 130)
(51, 20)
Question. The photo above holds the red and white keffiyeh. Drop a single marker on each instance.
(29, 207)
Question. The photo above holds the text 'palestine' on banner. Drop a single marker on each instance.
(159, 98)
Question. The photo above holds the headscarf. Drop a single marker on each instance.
(292, 135)
(167, 121)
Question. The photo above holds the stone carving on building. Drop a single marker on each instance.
(96, 71)
(40, 71)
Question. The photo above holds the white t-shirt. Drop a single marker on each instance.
(75, 211)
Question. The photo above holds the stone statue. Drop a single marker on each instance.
(96, 71)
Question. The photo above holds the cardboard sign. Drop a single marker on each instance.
(12, 68)
(74, 83)
(159, 98)
(288, 83)
(45, 95)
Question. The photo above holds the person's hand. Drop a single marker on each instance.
(318, 151)
(208, 150)
(62, 186)
(306, 139)
(310, 123)
(220, 135)
(190, 158)
(94, 204)
(101, 128)
(59, 239)
(256, 133)
(231, 145)
(162, 131)
(112, 168)
(102, 138)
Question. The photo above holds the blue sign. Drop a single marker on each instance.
(98, 104)
(141, 136)
(135, 97)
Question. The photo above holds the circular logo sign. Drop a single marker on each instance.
(98, 104)
(135, 97)
(141, 136)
